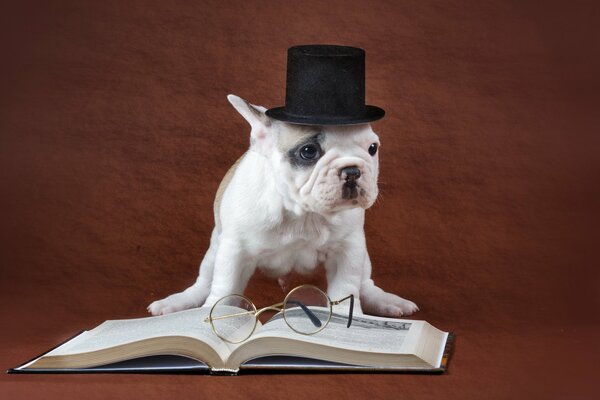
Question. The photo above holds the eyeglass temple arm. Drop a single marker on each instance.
(351, 297)
(313, 318)
(228, 316)
(274, 307)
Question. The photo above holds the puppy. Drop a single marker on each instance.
(295, 199)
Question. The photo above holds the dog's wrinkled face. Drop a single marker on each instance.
(322, 169)
(326, 169)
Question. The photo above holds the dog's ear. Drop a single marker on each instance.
(261, 134)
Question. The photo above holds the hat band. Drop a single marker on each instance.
(341, 107)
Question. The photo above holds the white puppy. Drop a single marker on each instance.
(296, 199)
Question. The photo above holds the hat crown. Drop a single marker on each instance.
(325, 80)
(325, 84)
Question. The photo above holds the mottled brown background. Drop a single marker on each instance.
(115, 132)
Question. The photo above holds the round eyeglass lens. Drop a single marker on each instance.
(307, 309)
(233, 318)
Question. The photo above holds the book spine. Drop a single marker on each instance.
(224, 371)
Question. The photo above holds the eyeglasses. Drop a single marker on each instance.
(306, 310)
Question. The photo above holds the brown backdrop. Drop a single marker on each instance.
(115, 132)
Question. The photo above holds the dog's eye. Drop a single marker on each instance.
(373, 149)
(309, 152)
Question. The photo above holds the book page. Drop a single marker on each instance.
(189, 323)
(367, 333)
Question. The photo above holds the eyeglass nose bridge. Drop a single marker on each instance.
(279, 307)
(275, 307)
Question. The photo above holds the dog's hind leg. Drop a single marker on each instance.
(195, 295)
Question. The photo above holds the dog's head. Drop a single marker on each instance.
(322, 169)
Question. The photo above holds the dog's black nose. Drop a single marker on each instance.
(350, 173)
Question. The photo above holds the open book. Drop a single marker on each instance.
(182, 341)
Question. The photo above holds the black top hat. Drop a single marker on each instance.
(325, 86)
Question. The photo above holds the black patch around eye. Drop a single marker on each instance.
(306, 154)
(373, 149)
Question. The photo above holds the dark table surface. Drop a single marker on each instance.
(115, 131)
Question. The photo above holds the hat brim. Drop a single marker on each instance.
(371, 113)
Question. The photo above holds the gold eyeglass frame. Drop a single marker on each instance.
(278, 307)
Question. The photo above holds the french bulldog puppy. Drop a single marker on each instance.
(295, 199)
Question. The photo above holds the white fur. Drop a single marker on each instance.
(282, 218)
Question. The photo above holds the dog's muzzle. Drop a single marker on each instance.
(350, 175)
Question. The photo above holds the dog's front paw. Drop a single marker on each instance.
(160, 307)
(173, 303)
(388, 305)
